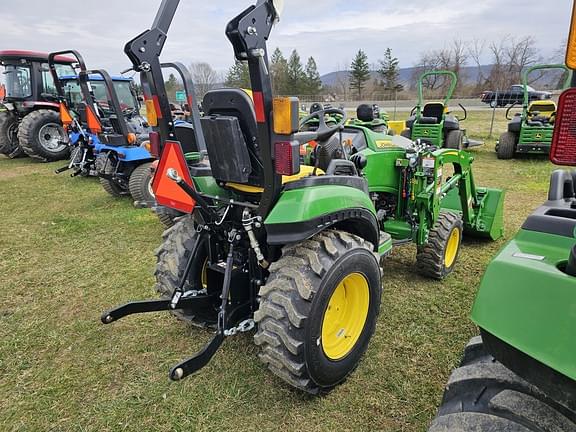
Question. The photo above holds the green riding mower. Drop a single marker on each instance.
(290, 249)
(433, 123)
(530, 132)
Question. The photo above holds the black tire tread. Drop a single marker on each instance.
(506, 146)
(171, 258)
(430, 257)
(137, 187)
(286, 301)
(27, 141)
(483, 395)
(7, 147)
(454, 139)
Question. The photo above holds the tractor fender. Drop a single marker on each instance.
(302, 213)
(127, 154)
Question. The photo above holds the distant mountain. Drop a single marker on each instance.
(469, 75)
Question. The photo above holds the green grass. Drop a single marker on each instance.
(68, 252)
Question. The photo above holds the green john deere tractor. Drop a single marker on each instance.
(433, 123)
(531, 131)
(520, 374)
(292, 249)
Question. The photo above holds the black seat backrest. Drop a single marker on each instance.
(231, 134)
(185, 135)
(434, 110)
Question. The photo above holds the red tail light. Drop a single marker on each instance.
(155, 144)
(287, 158)
(563, 150)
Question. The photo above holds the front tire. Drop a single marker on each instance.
(318, 310)
(105, 165)
(506, 146)
(42, 136)
(437, 258)
(454, 140)
(9, 144)
(483, 395)
(140, 185)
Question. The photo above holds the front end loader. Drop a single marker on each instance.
(309, 279)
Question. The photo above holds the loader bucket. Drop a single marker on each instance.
(488, 221)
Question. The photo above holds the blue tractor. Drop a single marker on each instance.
(110, 136)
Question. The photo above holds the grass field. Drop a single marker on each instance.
(68, 252)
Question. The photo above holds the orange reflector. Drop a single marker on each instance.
(93, 121)
(571, 49)
(151, 115)
(65, 116)
(131, 138)
(167, 192)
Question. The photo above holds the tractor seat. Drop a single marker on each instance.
(305, 171)
(231, 134)
(433, 110)
(545, 109)
(428, 120)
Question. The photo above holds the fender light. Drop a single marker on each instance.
(154, 144)
(131, 138)
(571, 48)
(563, 150)
(287, 157)
(151, 114)
(285, 115)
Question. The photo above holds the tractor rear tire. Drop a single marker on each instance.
(42, 136)
(506, 146)
(483, 395)
(169, 217)
(318, 310)
(406, 133)
(454, 140)
(9, 144)
(172, 257)
(140, 186)
(437, 258)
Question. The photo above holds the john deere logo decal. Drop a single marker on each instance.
(539, 136)
(426, 132)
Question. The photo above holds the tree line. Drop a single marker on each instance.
(506, 57)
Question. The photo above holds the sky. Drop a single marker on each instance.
(330, 30)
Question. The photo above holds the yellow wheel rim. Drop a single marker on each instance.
(345, 316)
(452, 248)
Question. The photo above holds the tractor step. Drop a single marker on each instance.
(385, 244)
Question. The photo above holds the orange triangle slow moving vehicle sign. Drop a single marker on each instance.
(167, 192)
(65, 116)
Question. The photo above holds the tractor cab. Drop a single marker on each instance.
(30, 89)
(433, 122)
(530, 132)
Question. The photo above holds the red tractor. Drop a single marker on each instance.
(29, 114)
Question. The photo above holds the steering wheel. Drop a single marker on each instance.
(324, 130)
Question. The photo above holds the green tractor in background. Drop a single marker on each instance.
(291, 249)
(531, 131)
(520, 374)
(433, 123)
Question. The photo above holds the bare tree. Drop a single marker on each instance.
(510, 57)
(476, 50)
(205, 78)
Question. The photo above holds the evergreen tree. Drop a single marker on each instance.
(172, 86)
(238, 76)
(313, 80)
(279, 73)
(389, 73)
(296, 76)
(359, 73)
